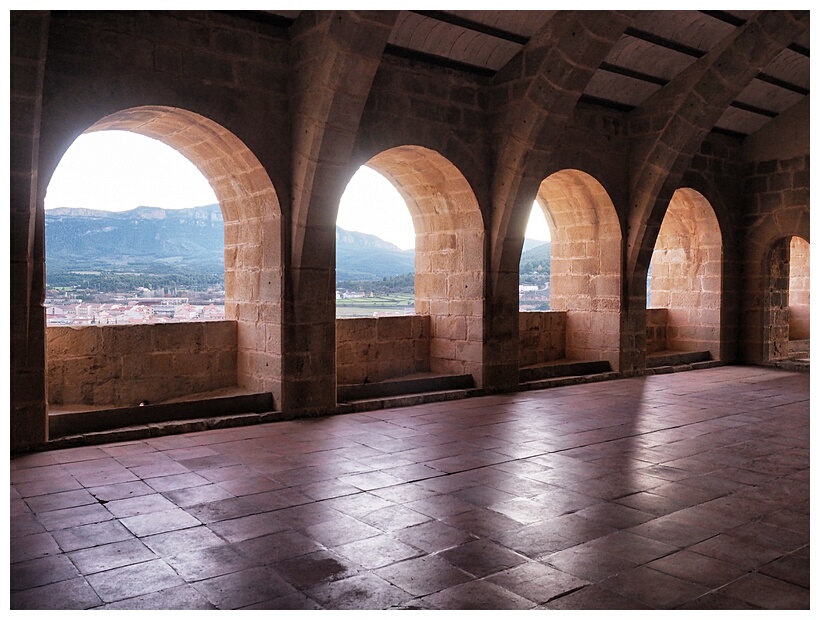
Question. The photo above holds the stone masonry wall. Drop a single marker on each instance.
(369, 350)
(686, 274)
(124, 365)
(542, 337)
(777, 209)
(656, 319)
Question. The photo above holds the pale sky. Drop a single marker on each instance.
(120, 170)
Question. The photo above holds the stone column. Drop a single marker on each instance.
(29, 38)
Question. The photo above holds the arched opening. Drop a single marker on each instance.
(534, 264)
(799, 297)
(156, 363)
(134, 235)
(375, 249)
(585, 276)
(685, 281)
(445, 335)
(786, 305)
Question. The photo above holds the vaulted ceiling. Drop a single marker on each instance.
(652, 51)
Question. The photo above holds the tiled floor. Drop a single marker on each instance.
(687, 490)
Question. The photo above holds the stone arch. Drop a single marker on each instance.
(779, 326)
(686, 278)
(766, 283)
(449, 259)
(585, 265)
(253, 231)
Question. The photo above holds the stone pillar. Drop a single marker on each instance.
(334, 58)
(29, 39)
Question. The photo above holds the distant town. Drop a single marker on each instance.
(140, 307)
(143, 308)
(152, 265)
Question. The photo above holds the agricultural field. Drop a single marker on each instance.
(387, 304)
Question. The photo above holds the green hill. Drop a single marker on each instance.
(149, 240)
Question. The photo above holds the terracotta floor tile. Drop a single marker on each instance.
(769, 593)
(440, 506)
(122, 490)
(174, 482)
(746, 555)
(152, 469)
(615, 515)
(587, 563)
(660, 491)
(208, 562)
(366, 591)
(195, 496)
(792, 568)
(64, 595)
(423, 575)
(717, 600)
(278, 546)
(433, 536)
(377, 551)
(671, 531)
(771, 536)
(243, 588)
(224, 509)
(179, 541)
(341, 531)
(181, 598)
(537, 582)
(394, 518)
(654, 588)
(72, 517)
(251, 526)
(159, 522)
(295, 601)
(698, 568)
(360, 504)
(481, 558)
(91, 535)
(41, 571)
(144, 504)
(314, 569)
(56, 501)
(24, 548)
(477, 595)
(134, 580)
(112, 555)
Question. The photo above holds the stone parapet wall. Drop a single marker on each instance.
(375, 349)
(123, 365)
(542, 337)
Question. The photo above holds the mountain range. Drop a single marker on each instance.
(86, 239)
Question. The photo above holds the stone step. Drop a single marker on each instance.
(799, 348)
(406, 400)
(562, 368)
(400, 387)
(159, 429)
(82, 422)
(676, 358)
(542, 384)
(800, 364)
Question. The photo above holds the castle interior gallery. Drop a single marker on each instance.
(607, 454)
